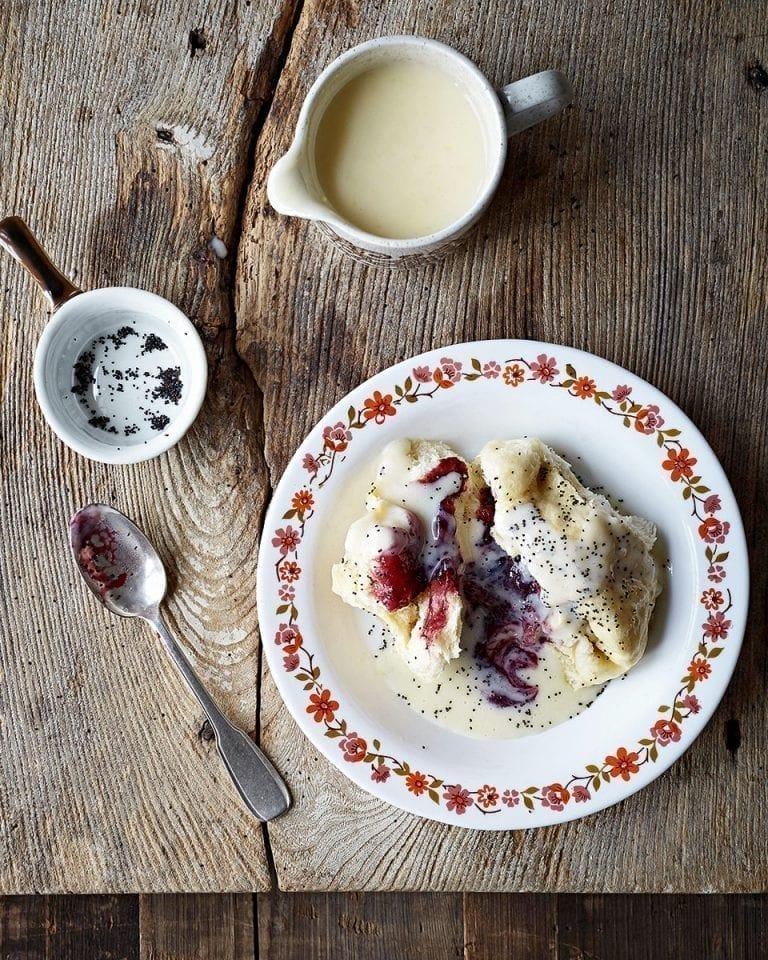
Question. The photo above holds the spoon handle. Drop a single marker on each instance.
(262, 788)
(19, 241)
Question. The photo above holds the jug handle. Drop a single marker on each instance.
(535, 98)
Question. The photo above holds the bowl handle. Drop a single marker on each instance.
(18, 240)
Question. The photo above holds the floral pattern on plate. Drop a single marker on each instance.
(676, 461)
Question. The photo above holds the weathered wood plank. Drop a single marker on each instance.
(23, 927)
(318, 926)
(522, 925)
(639, 927)
(367, 926)
(202, 926)
(125, 145)
(69, 928)
(630, 226)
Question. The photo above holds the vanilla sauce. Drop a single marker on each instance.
(400, 151)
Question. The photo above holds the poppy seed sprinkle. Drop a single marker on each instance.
(116, 388)
(152, 343)
(171, 387)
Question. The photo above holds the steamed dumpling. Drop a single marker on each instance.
(594, 564)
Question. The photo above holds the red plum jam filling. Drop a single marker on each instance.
(506, 615)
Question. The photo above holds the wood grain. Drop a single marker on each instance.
(197, 927)
(125, 145)
(365, 926)
(69, 928)
(640, 927)
(631, 226)
(317, 926)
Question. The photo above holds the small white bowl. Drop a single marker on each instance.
(134, 399)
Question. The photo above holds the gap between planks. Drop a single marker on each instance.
(294, 15)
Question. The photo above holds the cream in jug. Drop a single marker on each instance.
(400, 151)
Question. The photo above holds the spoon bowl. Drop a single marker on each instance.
(122, 568)
(117, 562)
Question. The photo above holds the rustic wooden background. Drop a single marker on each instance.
(370, 926)
(634, 226)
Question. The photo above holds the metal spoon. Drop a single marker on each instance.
(123, 569)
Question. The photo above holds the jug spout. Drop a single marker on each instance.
(289, 193)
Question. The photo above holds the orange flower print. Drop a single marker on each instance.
(302, 501)
(584, 387)
(712, 599)
(322, 706)
(290, 572)
(417, 783)
(665, 731)
(623, 764)
(458, 799)
(514, 375)
(555, 796)
(699, 669)
(487, 796)
(679, 463)
(379, 407)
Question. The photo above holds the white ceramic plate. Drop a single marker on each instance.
(620, 433)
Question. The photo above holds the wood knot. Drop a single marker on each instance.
(197, 41)
(732, 735)
(757, 77)
(363, 928)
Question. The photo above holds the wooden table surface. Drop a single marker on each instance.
(633, 226)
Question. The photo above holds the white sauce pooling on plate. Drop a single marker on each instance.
(459, 701)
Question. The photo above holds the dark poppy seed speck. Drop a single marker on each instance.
(170, 387)
(151, 343)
